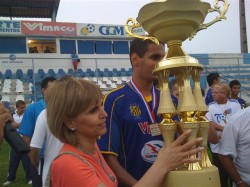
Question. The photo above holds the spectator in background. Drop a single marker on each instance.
(34, 50)
(75, 60)
(4, 117)
(27, 127)
(218, 115)
(235, 148)
(14, 158)
(212, 79)
(47, 50)
(235, 90)
(52, 146)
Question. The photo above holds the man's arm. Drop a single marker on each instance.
(34, 156)
(122, 175)
(212, 135)
(27, 139)
(227, 163)
(4, 117)
(15, 125)
(216, 126)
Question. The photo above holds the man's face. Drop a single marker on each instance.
(235, 90)
(147, 63)
(219, 94)
(21, 109)
(217, 81)
(44, 90)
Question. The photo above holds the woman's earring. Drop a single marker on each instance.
(73, 129)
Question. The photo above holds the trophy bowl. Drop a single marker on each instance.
(171, 20)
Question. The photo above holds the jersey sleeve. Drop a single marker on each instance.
(81, 174)
(27, 124)
(110, 143)
(229, 139)
(40, 131)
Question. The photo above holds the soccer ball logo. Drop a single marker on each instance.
(88, 29)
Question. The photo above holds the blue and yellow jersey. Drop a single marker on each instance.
(128, 133)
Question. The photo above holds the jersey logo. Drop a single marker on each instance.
(150, 150)
(135, 110)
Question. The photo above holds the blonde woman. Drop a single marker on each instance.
(76, 117)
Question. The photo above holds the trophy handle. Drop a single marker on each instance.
(129, 29)
(218, 18)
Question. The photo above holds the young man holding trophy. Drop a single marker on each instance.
(130, 146)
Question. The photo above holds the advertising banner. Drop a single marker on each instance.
(9, 27)
(48, 28)
(98, 30)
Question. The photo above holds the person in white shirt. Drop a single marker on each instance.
(218, 116)
(14, 158)
(235, 148)
(52, 144)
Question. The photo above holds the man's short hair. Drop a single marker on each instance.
(234, 83)
(212, 77)
(46, 81)
(20, 103)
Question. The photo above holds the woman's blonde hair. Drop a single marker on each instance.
(65, 101)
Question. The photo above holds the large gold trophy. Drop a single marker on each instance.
(171, 22)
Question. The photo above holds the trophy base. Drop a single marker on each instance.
(206, 177)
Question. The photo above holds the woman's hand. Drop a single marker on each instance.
(178, 152)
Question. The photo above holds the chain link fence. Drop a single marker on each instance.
(21, 77)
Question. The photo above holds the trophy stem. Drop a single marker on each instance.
(203, 132)
(175, 49)
(194, 126)
(194, 166)
(168, 131)
(205, 161)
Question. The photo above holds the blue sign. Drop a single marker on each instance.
(112, 30)
(10, 27)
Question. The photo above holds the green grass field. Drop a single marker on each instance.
(4, 165)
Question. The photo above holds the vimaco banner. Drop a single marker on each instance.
(98, 30)
(48, 28)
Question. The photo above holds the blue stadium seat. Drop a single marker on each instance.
(51, 73)
(106, 70)
(6, 104)
(71, 72)
(83, 74)
(41, 73)
(8, 74)
(30, 73)
(19, 74)
(61, 73)
(88, 70)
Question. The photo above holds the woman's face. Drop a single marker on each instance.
(91, 123)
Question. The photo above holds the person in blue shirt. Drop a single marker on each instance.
(27, 126)
(235, 90)
(129, 147)
(212, 79)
